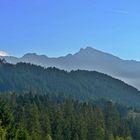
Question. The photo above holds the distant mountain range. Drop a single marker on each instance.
(88, 59)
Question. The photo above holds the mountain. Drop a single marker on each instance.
(82, 85)
(88, 59)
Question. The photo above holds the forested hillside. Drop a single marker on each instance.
(81, 85)
(52, 104)
(47, 117)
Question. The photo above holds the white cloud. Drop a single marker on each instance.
(2, 53)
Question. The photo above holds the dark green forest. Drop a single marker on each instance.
(80, 84)
(51, 104)
(47, 117)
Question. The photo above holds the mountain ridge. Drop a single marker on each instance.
(88, 59)
(70, 54)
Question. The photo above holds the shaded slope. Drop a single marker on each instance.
(83, 85)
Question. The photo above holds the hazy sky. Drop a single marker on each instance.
(58, 27)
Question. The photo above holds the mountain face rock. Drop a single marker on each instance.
(88, 59)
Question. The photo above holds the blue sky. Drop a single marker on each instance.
(59, 27)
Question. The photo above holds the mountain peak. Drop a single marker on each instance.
(87, 49)
(29, 54)
(33, 55)
(90, 50)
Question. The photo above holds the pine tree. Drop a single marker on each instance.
(58, 125)
(75, 137)
(112, 118)
(117, 138)
(2, 133)
(45, 124)
(7, 119)
(129, 138)
(96, 126)
(22, 134)
(110, 137)
(48, 137)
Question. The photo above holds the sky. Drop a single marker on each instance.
(59, 27)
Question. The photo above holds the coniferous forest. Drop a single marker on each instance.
(52, 104)
(82, 85)
(45, 117)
